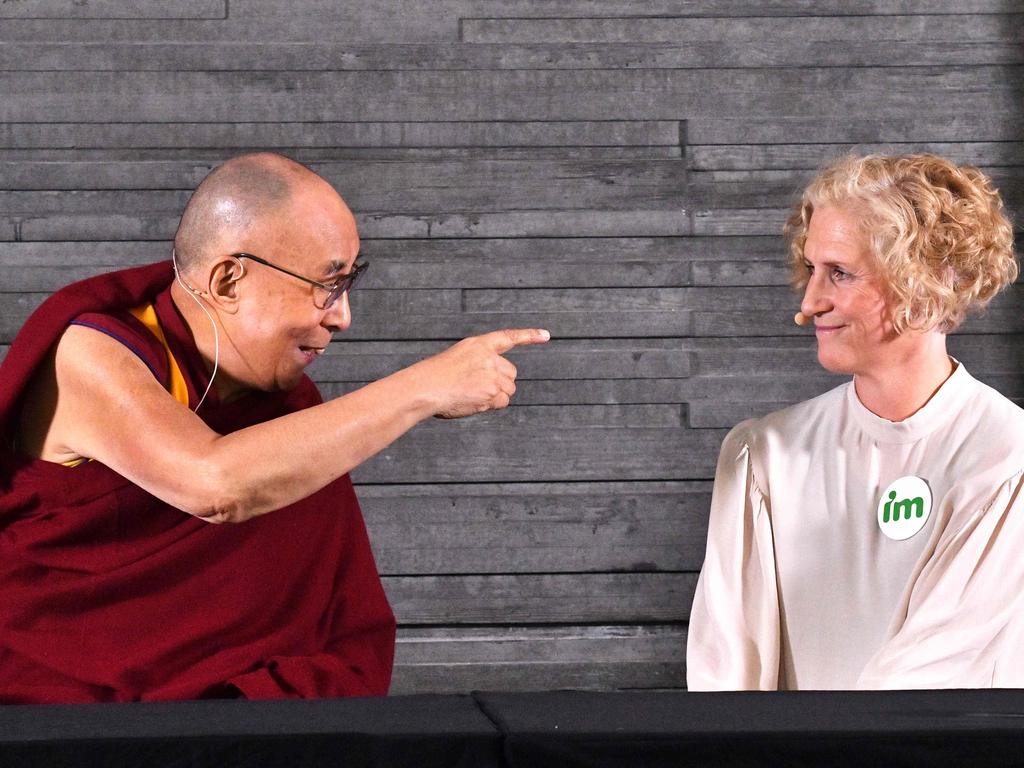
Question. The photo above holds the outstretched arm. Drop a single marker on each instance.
(106, 405)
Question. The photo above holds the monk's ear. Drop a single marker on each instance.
(224, 278)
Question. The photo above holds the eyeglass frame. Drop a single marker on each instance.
(335, 291)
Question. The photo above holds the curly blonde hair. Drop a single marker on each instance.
(936, 229)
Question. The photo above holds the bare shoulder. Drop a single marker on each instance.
(81, 372)
(97, 399)
(80, 364)
(91, 366)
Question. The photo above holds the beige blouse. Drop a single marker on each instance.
(801, 587)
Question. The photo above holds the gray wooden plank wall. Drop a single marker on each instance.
(615, 172)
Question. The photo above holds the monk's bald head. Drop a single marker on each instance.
(236, 197)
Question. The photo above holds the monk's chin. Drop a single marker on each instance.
(281, 381)
(286, 384)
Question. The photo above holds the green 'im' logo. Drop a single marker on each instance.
(906, 507)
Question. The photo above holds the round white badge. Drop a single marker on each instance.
(904, 507)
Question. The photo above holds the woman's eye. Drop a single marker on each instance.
(838, 274)
(809, 267)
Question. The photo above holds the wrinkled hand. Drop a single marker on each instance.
(472, 376)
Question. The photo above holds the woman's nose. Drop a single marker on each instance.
(816, 298)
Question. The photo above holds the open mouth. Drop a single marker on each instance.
(311, 353)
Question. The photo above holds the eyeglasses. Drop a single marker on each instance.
(334, 290)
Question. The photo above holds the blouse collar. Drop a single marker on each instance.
(940, 408)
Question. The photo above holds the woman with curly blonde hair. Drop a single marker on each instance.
(872, 537)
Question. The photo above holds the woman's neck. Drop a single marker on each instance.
(905, 384)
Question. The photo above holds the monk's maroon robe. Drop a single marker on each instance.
(109, 594)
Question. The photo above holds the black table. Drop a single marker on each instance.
(412, 731)
(563, 729)
(863, 729)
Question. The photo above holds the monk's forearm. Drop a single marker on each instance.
(270, 465)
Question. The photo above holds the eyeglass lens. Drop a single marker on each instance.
(346, 283)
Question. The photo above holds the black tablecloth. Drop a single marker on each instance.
(563, 729)
(864, 729)
(414, 731)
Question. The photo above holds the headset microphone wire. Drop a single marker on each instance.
(216, 336)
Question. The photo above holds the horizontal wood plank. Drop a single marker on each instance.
(19, 259)
(255, 21)
(421, 185)
(781, 32)
(708, 129)
(153, 10)
(531, 224)
(750, 221)
(725, 414)
(739, 273)
(335, 135)
(595, 299)
(541, 598)
(29, 204)
(694, 53)
(503, 225)
(314, 155)
(522, 659)
(813, 156)
(931, 93)
(108, 226)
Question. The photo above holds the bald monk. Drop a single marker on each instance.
(176, 517)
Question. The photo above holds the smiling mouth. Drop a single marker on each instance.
(312, 350)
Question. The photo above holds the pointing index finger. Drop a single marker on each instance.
(506, 339)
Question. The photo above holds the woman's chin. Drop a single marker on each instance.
(834, 363)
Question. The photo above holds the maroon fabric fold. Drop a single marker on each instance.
(109, 594)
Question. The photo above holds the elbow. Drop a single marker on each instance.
(221, 511)
(215, 496)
